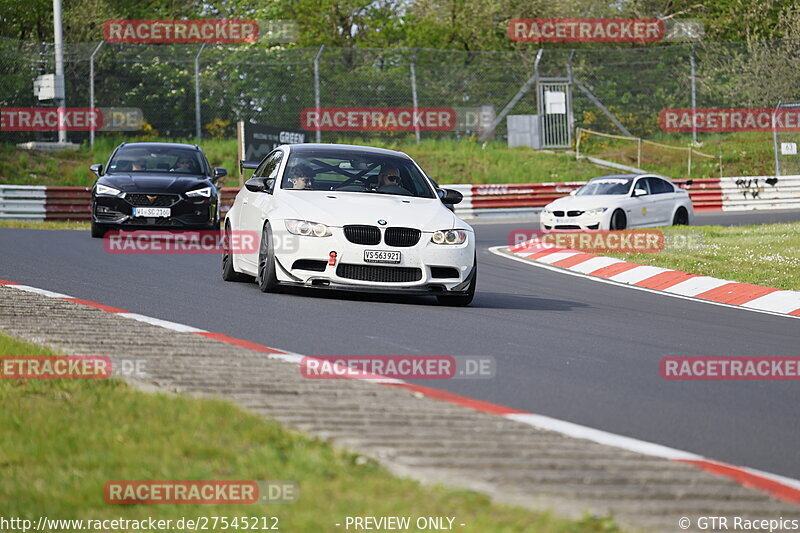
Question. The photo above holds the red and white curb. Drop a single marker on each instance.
(780, 487)
(656, 279)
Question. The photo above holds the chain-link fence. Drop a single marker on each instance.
(186, 90)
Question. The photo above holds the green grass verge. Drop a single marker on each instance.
(766, 255)
(63, 440)
(743, 154)
(25, 224)
(446, 161)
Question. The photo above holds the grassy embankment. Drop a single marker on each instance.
(767, 254)
(62, 440)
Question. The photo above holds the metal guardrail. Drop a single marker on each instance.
(35, 202)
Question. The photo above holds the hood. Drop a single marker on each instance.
(340, 208)
(583, 203)
(144, 182)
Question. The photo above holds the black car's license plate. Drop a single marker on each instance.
(381, 256)
(152, 212)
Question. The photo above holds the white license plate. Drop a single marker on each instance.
(563, 220)
(151, 211)
(381, 256)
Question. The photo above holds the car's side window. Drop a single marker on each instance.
(659, 186)
(268, 165)
(642, 184)
(274, 166)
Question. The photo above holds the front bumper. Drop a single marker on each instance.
(425, 268)
(184, 213)
(586, 222)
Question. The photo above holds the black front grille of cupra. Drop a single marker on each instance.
(160, 200)
(379, 274)
(367, 235)
(402, 237)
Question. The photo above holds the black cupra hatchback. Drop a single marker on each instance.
(155, 186)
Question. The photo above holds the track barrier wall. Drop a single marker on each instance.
(37, 202)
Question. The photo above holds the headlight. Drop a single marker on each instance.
(205, 192)
(546, 211)
(306, 228)
(449, 236)
(105, 190)
(596, 211)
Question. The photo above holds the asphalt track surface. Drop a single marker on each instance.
(566, 347)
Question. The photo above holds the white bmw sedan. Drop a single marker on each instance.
(619, 202)
(351, 217)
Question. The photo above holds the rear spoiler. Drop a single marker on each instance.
(248, 165)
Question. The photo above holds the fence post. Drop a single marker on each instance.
(316, 89)
(577, 143)
(91, 89)
(689, 172)
(197, 116)
(61, 100)
(414, 93)
(639, 153)
(694, 95)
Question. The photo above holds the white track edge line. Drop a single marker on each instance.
(36, 290)
(497, 250)
(563, 427)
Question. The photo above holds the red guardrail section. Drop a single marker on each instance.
(72, 203)
(68, 203)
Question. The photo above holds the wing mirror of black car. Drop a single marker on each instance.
(449, 196)
(220, 173)
(97, 168)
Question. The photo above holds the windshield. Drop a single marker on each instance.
(355, 172)
(157, 159)
(605, 186)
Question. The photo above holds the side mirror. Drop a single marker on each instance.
(219, 173)
(573, 192)
(449, 196)
(639, 192)
(97, 168)
(255, 185)
(260, 185)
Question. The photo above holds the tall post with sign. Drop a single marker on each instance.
(60, 98)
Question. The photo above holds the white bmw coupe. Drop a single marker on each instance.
(354, 218)
(620, 202)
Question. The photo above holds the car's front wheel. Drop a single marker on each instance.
(618, 220)
(99, 230)
(267, 278)
(228, 273)
(461, 300)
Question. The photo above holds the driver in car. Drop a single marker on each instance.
(389, 176)
(184, 164)
(302, 177)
